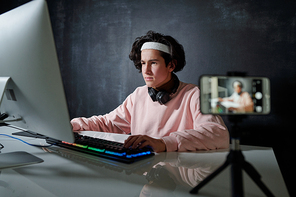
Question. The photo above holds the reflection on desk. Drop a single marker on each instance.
(68, 173)
(162, 176)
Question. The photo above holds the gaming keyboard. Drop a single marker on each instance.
(104, 148)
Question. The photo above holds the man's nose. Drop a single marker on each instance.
(147, 69)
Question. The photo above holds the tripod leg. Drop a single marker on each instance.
(209, 178)
(256, 177)
(237, 180)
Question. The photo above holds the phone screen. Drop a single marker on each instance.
(234, 95)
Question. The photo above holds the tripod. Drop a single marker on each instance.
(238, 163)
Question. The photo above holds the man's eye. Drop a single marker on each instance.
(153, 62)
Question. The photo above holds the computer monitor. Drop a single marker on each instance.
(34, 92)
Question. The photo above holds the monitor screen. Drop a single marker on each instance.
(34, 93)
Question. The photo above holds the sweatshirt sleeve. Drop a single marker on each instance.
(208, 132)
(117, 121)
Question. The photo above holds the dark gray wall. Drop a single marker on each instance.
(94, 38)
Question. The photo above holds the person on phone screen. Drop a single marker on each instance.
(243, 99)
(164, 113)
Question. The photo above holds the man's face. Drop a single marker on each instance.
(154, 70)
(237, 89)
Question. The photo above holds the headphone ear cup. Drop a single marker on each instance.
(152, 93)
(162, 97)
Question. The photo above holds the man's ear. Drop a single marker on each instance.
(172, 65)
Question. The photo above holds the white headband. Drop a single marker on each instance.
(156, 46)
(236, 83)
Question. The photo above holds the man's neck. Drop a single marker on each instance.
(168, 86)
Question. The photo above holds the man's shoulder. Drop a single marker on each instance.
(187, 90)
(188, 87)
(141, 89)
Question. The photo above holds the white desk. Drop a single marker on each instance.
(67, 173)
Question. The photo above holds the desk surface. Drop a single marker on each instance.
(69, 173)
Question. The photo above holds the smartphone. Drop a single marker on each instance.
(231, 95)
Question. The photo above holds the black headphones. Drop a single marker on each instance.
(162, 96)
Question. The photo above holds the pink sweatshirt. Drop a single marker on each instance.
(179, 122)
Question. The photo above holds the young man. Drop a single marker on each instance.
(165, 113)
(240, 97)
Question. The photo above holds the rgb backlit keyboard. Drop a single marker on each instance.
(105, 148)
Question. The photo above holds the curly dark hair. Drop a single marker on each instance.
(176, 50)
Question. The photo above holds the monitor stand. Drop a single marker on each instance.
(3, 83)
(17, 158)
